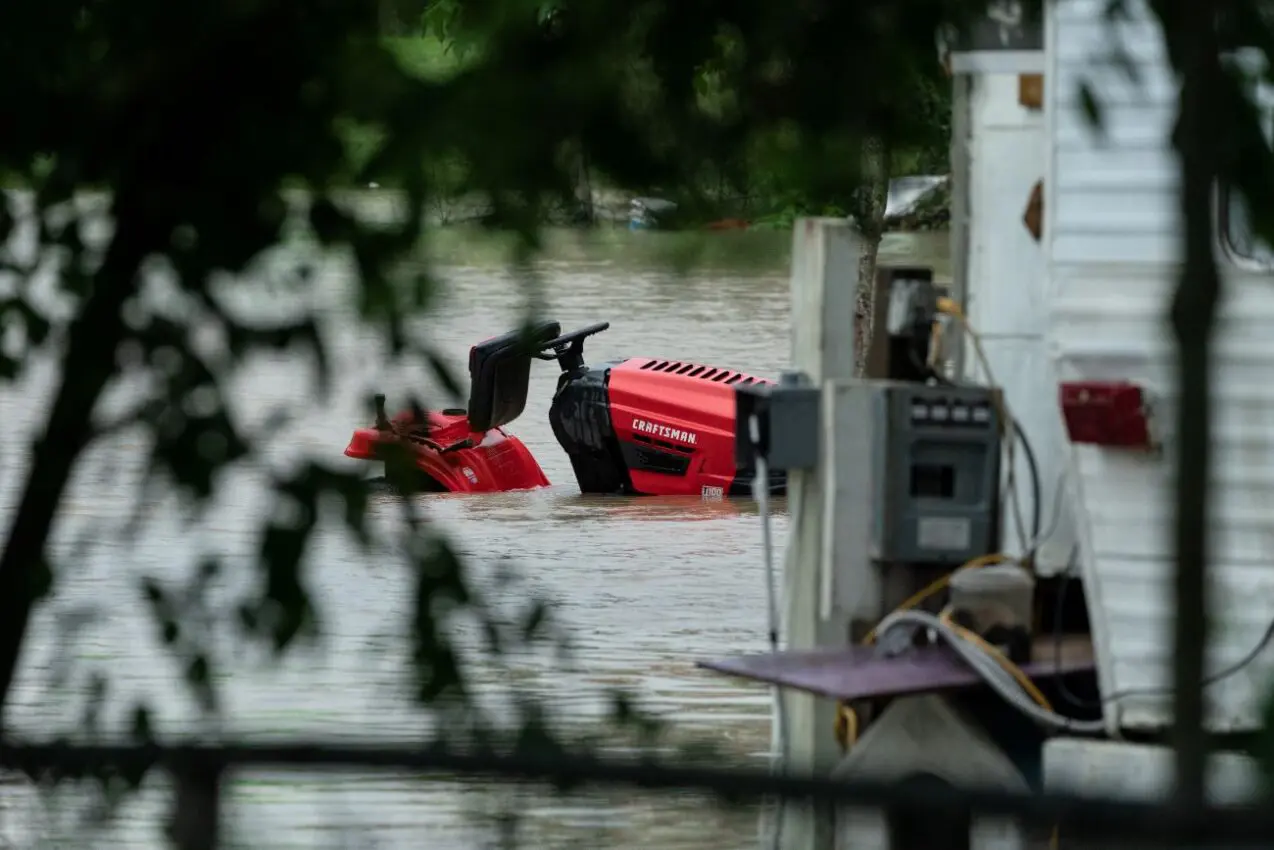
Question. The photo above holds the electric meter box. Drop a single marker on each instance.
(935, 472)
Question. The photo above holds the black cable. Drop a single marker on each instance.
(1037, 512)
(1080, 702)
(1067, 694)
(1037, 501)
(925, 369)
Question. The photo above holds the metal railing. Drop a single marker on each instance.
(197, 773)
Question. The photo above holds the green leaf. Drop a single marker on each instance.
(329, 223)
(142, 731)
(97, 689)
(286, 608)
(7, 219)
(153, 593)
(208, 570)
(534, 621)
(249, 621)
(443, 375)
(199, 678)
(1091, 107)
(440, 589)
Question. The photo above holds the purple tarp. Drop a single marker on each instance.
(848, 673)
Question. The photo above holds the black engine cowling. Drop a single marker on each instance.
(581, 422)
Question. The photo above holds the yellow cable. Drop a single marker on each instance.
(1016, 672)
(1000, 658)
(940, 584)
(847, 725)
(952, 309)
(936, 334)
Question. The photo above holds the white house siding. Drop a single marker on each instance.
(1006, 304)
(1111, 243)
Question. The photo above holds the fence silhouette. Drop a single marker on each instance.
(197, 772)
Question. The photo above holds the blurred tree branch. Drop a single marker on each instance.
(196, 139)
(195, 143)
(1196, 52)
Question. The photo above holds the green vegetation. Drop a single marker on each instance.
(424, 56)
(760, 184)
(196, 115)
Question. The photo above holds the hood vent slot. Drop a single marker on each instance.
(702, 373)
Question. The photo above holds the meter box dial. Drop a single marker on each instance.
(936, 472)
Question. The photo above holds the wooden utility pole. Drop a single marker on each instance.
(826, 259)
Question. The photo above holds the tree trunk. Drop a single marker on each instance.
(1193, 316)
(865, 304)
(870, 218)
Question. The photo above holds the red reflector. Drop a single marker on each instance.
(1105, 413)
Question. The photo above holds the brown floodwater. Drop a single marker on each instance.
(644, 586)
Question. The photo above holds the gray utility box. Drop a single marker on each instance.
(935, 472)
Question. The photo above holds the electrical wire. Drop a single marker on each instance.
(846, 727)
(1039, 535)
(1037, 504)
(761, 490)
(949, 307)
(994, 671)
(1267, 637)
(930, 368)
(937, 585)
(1015, 433)
(1018, 674)
(1006, 678)
(1060, 679)
(1054, 520)
(847, 720)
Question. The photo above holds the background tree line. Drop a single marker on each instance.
(758, 180)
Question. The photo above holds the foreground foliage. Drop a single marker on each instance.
(195, 137)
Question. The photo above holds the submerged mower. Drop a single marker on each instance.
(640, 426)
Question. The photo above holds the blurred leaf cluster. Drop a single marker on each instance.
(201, 145)
(218, 133)
(747, 108)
